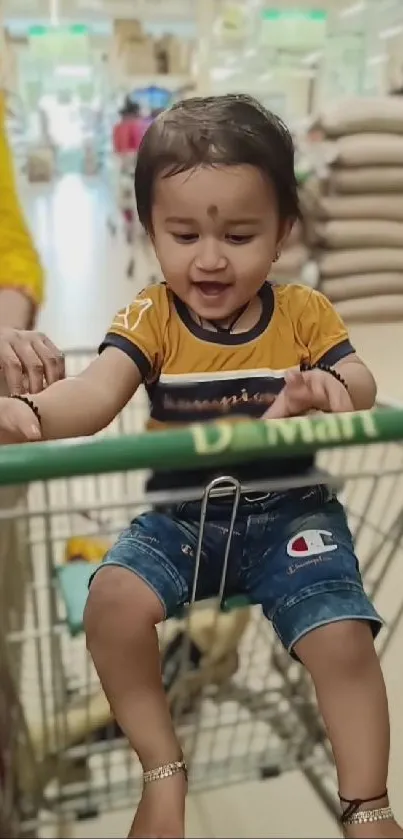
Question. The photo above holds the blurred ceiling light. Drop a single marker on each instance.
(385, 34)
(73, 72)
(90, 4)
(373, 60)
(54, 12)
(300, 73)
(354, 9)
(22, 4)
(312, 58)
(222, 73)
(230, 60)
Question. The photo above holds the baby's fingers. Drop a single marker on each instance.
(30, 430)
(294, 378)
(278, 410)
(339, 398)
(293, 400)
(18, 424)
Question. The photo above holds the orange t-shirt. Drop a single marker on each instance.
(192, 374)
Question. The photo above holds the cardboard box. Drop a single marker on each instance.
(40, 165)
(175, 55)
(138, 58)
(127, 30)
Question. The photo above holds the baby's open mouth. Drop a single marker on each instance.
(211, 288)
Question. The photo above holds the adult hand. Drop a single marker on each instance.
(28, 360)
(311, 390)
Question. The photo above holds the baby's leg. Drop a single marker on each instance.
(351, 694)
(311, 589)
(122, 611)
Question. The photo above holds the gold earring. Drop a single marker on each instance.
(277, 256)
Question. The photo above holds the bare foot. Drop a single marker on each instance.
(161, 812)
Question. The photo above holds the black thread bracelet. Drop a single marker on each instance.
(30, 403)
(305, 367)
(354, 804)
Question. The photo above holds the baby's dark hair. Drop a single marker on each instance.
(229, 130)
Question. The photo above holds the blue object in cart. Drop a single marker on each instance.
(73, 579)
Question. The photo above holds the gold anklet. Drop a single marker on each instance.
(382, 814)
(165, 771)
(353, 815)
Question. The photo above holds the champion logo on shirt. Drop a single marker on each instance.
(311, 543)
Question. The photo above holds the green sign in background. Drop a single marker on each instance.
(294, 30)
(66, 44)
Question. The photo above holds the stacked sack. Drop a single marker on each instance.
(354, 211)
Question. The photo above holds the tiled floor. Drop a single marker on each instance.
(86, 284)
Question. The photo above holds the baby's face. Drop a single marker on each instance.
(216, 233)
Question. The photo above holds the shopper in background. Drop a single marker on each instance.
(127, 136)
(28, 359)
(129, 130)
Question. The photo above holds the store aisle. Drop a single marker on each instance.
(85, 264)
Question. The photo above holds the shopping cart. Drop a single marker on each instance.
(243, 709)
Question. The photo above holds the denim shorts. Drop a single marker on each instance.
(291, 552)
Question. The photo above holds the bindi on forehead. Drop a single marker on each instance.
(212, 211)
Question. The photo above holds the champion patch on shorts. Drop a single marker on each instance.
(311, 543)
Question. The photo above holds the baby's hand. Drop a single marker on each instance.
(18, 423)
(311, 390)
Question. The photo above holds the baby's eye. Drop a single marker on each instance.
(185, 238)
(239, 238)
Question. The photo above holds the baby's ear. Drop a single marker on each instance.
(285, 227)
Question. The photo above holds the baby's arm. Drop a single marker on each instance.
(328, 343)
(328, 348)
(75, 407)
(359, 380)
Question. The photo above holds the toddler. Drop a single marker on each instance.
(216, 192)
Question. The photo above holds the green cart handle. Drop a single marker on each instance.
(215, 444)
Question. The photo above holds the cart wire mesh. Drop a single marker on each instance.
(243, 709)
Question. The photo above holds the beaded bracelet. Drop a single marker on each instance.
(30, 403)
(305, 367)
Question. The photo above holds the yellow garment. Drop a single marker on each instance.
(85, 548)
(20, 266)
(193, 374)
